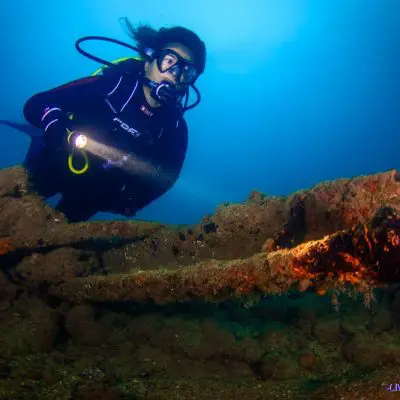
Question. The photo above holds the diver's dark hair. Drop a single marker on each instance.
(147, 37)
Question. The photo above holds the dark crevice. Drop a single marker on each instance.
(15, 256)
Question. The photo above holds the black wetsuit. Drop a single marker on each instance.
(144, 147)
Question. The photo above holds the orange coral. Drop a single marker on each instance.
(244, 279)
(5, 246)
(367, 239)
(393, 238)
(300, 273)
(360, 271)
(140, 280)
(371, 185)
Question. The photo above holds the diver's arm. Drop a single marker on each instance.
(49, 110)
(70, 97)
(156, 179)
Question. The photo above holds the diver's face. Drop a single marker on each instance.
(151, 68)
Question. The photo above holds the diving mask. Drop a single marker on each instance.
(184, 70)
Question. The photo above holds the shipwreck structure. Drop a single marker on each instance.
(339, 236)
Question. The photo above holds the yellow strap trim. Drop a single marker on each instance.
(117, 62)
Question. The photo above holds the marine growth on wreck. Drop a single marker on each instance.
(292, 297)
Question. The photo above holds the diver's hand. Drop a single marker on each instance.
(52, 117)
(55, 123)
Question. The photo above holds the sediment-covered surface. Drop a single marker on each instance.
(278, 297)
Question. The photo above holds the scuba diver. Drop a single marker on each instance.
(117, 140)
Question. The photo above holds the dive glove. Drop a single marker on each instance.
(55, 122)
